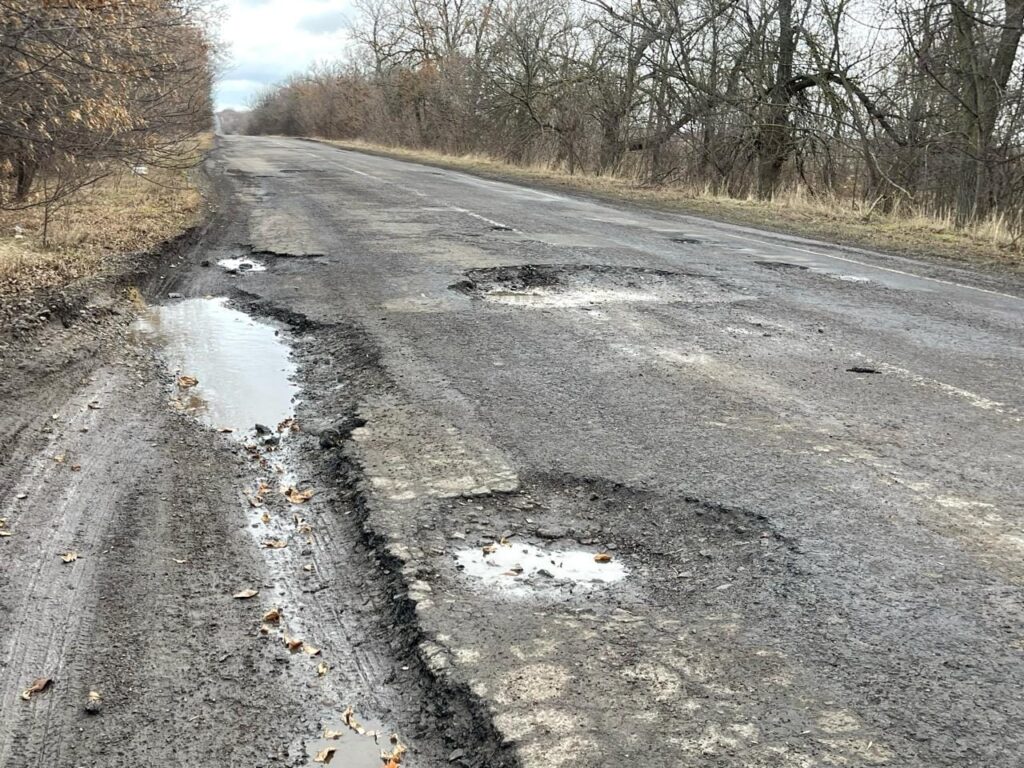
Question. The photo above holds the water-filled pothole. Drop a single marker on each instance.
(575, 285)
(348, 743)
(233, 371)
(241, 265)
(521, 568)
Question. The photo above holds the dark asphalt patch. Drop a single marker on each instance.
(780, 265)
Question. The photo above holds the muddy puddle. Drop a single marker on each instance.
(233, 372)
(353, 744)
(520, 568)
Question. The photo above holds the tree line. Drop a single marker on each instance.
(91, 86)
(900, 104)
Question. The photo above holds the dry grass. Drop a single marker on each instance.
(990, 243)
(121, 214)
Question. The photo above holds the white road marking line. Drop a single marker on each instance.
(870, 266)
(978, 401)
(492, 222)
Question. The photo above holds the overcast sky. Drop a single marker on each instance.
(270, 39)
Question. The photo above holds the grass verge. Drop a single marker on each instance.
(989, 244)
(121, 214)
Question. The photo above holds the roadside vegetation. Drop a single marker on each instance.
(896, 124)
(103, 110)
(990, 242)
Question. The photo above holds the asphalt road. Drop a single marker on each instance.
(803, 462)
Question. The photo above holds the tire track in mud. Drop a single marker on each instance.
(47, 619)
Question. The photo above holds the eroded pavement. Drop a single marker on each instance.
(591, 485)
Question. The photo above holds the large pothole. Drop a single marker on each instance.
(577, 285)
(233, 372)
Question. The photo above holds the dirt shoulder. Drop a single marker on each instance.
(105, 232)
(915, 237)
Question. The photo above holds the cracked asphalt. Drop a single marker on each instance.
(800, 465)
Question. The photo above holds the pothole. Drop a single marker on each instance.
(236, 266)
(577, 285)
(781, 265)
(522, 568)
(233, 371)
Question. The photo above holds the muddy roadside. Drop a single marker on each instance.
(140, 510)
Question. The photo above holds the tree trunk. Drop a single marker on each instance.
(774, 141)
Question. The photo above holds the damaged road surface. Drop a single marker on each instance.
(399, 466)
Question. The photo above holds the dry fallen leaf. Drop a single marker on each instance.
(295, 496)
(602, 557)
(490, 549)
(185, 382)
(397, 753)
(273, 616)
(70, 556)
(180, 562)
(293, 644)
(76, 467)
(274, 544)
(331, 735)
(254, 501)
(5, 534)
(245, 594)
(287, 424)
(321, 670)
(310, 650)
(59, 458)
(265, 517)
(325, 755)
(308, 568)
(39, 685)
(349, 718)
(226, 430)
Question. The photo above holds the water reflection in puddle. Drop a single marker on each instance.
(241, 265)
(242, 366)
(544, 299)
(521, 567)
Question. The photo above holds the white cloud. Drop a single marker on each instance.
(271, 39)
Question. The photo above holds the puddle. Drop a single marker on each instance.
(241, 265)
(581, 298)
(521, 567)
(851, 278)
(348, 748)
(242, 366)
